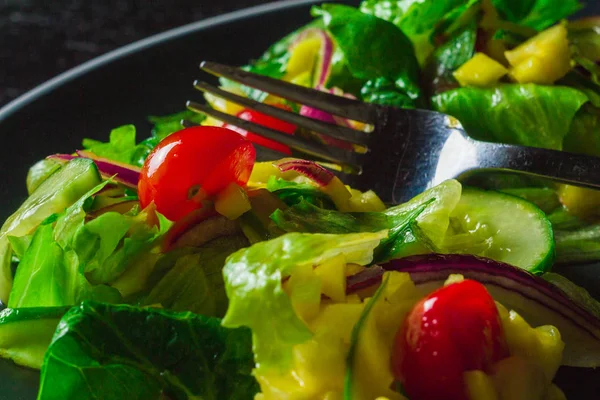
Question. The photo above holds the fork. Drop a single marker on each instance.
(408, 150)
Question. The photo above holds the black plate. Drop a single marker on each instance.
(149, 77)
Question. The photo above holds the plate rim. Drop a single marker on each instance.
(71, 74)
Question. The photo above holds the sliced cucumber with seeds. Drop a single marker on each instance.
(501, 227)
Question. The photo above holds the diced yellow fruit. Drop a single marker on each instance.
(262, 171)
(304, 290)
(542, 59)
(303, 57)
(353, 299)
(232, 202)
(549, 350)
(364, 202)
(400, 287)
(454, 278)
(517, 379)
(220, 104)
(554, 393)
(480, 71)
(333, 395)
(210, 121)
(580, 201)
(479, 386)
(303, 79)
(339, 193)
(333, 278)
(353, 269)
(338, 320)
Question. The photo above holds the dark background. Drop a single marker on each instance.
(42, 38)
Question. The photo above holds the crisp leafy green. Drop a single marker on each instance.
(124, 352)
(120, 147)
(293, 192)
(584, 133)
(56, 193)
(305, 217)
(25, 333)
(195, 282)
(537, 14)
(530, 115)
(167, 124)
(383, 91)
(253, 279)
(373, 48)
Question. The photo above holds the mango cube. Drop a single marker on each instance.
(232, 202)
(480, 71)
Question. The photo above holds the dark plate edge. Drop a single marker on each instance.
(124, 51)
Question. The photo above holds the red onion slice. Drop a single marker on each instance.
(311, 170)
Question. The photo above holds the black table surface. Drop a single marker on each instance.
(42, 38)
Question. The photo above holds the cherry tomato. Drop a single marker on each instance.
(192, 164)
(269, 122)
(455, 329)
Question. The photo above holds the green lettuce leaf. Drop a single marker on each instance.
(120, 147)
(253, 279)
(195, 282)
(584, 133)
(305, 217)
(26, 333)
(537, 14)
(294, 192)
(124, 352)
(373, 48)
(529, 115)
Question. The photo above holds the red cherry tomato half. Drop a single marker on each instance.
(269, 122)
(202, 159)
(455, 329)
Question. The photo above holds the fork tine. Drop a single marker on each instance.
(347, 159)
(336, 131)
(337, 105)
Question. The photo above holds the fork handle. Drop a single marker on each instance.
(576, 169)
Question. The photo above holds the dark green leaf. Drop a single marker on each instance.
(383, 91)
(530, 115)
(373, 48)
(537, 14)
(293, 192)
(124, 352)
(448, 58)
(25, 333)
(584, 133)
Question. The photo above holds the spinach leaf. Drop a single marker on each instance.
(537, 14)
(124, 352)
(257, 300)
(305, 217)
(448, 58)
(530, 115)
(25, 333)
(584, 133)
(373, 48)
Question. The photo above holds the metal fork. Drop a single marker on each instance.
(407, 152)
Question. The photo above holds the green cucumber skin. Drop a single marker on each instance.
(509, 212)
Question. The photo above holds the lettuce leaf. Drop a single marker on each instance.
(120, 147)
(373, 48)
(584, 133)
(25, 333)
(125, 352)
(294, 192)
(253, 279)
(305, 217)
(529, 115)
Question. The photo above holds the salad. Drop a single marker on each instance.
(181, 267)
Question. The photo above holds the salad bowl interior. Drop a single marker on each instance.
(154, 77)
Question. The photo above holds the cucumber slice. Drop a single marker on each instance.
(57, 192)
(501, 227)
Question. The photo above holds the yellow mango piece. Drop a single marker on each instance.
(303, 79)
(549, 350)
(337, 320)
(517, 379)
(400, 288)
(339, 193)
(232, 202)
(333, 278)
(262, 171)
(210, 121)
(580, 201)
(364, 202)
(220, 104)
(353, 269)
(303, 57)
(454, 278)
(304, 290)
(353, 299)
(542, 59)
(479, 386)
(480, 71)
